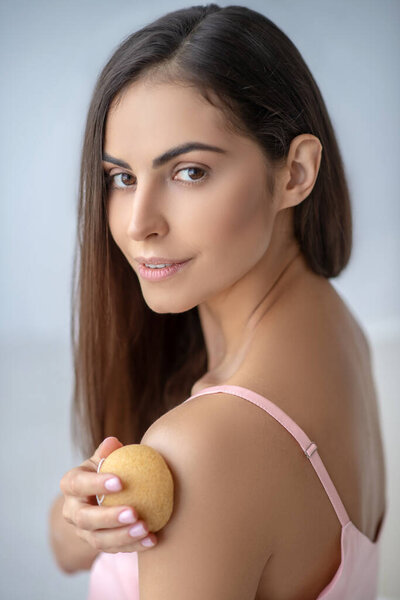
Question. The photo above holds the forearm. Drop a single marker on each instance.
(71, 552)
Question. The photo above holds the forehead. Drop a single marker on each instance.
(149, 111)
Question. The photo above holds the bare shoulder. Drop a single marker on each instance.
(312, 359)
(221, 505)
(235, 464)
(220, 438)
(309, 356)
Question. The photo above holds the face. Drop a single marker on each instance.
(212, 207)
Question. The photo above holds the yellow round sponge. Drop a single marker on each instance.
(147, 483)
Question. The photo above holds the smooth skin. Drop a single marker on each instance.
(269, 324)
(211, 207)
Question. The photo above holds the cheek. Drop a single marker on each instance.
(240, 219)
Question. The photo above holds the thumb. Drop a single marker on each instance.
(107, 446)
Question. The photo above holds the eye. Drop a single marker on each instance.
(110, 179)
(125, 184)
(196, 179)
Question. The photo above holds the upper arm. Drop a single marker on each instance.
(216, 542)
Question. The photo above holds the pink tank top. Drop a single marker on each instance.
(116, 575)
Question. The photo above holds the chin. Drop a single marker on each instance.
(164, 307)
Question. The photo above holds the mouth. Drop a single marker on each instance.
(162, 272)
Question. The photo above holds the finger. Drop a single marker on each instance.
(105, 448)
(81, 483)
(115, 537)
(121, 539)
(105, 517)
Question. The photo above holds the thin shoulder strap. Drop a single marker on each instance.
(309, 448)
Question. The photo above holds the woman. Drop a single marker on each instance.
(208, 147)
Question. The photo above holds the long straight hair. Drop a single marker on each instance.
(131, 364)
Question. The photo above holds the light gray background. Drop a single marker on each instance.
(50, 55)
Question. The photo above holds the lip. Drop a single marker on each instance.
(154, 275)
(157, 260)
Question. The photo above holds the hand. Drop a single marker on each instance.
(99, 525)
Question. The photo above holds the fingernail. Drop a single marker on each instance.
(113, 484)
(147, 542)
(126, 516)
(107, 438)
(137, 530)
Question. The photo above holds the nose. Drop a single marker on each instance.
(146, 217)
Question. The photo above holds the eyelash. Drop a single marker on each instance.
(110, 178)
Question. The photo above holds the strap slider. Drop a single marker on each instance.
(311, 448)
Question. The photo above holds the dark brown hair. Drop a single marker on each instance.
(132, 364)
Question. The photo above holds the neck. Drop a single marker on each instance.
(230, 323)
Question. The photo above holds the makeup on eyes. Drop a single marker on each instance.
(164, 159)
(110, 177)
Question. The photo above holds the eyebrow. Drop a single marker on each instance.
(168, 155)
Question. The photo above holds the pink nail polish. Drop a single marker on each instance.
(126, 516)
(113, 484)
(147, 542)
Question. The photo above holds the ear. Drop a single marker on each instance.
(296, 179)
